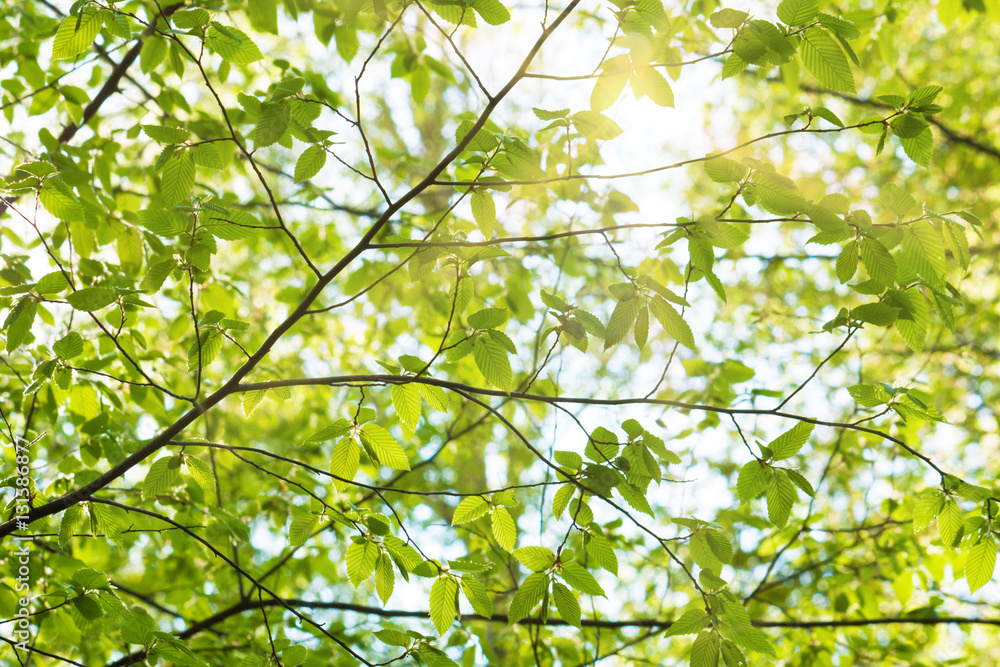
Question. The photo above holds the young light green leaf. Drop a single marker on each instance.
(724, 170)
(406, 402)
(847, 262)
(691, 622)
(781, 496)
(671, 321)
(477, 596)
(388, 451)
(488, 318)
(980, 562)
(484, 211)
(385, 577)
(566, 603)
(77, 32)
(202, 473)
(504, 529)
(949, 522)
(535, 559)
(177, 178)
(878, 262)
(491, 11)
(797, 12)
(309, 163)
(823, 56)
(163, 475)
(302, 527)
(728, 18)
(344, 462)
(233, 45)
(91, 298)
(491, 359)
(528, 595)
(361, 557)
(790, 442)
(705, 651)
(581, 579)
(470, 509)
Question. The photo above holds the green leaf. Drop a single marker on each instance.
(823, 56)
(488, 318)
(491, 359)
(503, 528)
(163, 475)
(406, 402)
(329, 432)
(484, 211)
(705, 651)
(927, 507)
(790, 442)
(878, 262)
(566, 603)
(535, 559)
(202, 473)
(477, 596)
(924, 248)
(388, 451)
(344, 461)
(840, 26)
(949, 522)
(595, 125)
(724, 170)
(672, 322)
(67, 525)
(801, 482)
(77, 32)
(19, 321)
(385, 577)
(829, 116)
(309, 163)
(622, 320)
(914, 328)
(166, 135)
(528, 595)
(980, 561)
(561, 499)
(781, 496)
(728, 18)
(797, 12)
(603, 553)
(191, 18)
(361, 557)
(469, 509)
(91, 298)
(608, 88)
(654, 86)
(777, 194)
(301, 528)
(753, 480)
(204, 350)
(691, 622)
(271, 125)
(878, 314)
(581, 579)
(177, 178)
(893, 198)
(233, 45)
(491, 11)
(847, 262)
(434, 396)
